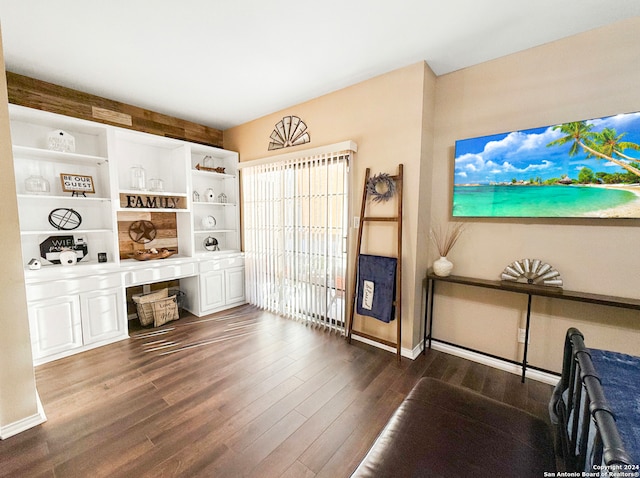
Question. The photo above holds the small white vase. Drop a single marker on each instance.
(442, 267)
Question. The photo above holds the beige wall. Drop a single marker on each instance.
(589, 75)
(581, 77)
(384, 116)
(17, 381)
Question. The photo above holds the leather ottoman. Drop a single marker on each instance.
(442, 430)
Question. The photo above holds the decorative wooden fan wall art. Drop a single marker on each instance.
(289, 131)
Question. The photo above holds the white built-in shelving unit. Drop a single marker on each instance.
(73, 308)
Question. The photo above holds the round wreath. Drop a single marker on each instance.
(381, 187)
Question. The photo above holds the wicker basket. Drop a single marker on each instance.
(144, 305)
(165, 310)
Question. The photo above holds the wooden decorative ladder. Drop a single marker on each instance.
(398, 300)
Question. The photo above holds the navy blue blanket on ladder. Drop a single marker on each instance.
(376, 287)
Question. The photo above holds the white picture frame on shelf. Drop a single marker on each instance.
(61, 141)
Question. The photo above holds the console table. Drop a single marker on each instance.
(519, 288)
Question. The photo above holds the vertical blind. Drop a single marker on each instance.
(295, 234)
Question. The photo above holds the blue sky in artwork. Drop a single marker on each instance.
(524, 154)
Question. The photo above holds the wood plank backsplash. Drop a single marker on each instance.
(41, 95)
(165, 224)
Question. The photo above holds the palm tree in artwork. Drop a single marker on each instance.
(577, 133)
(605, 146)
(610, 144)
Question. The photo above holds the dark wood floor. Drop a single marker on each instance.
(241, 393)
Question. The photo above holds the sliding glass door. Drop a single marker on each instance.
(295, 234)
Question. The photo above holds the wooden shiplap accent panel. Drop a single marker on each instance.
(166, 231)
(41, 95)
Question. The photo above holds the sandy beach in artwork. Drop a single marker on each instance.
(628, 210)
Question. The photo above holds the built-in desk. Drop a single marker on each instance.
(519, 288)
(76, 308)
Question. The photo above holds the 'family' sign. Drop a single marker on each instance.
(144, 201)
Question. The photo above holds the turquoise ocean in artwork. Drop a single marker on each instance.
(535, 201)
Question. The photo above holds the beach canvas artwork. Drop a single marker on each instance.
(587, 168)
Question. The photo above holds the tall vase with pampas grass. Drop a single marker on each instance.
(444, 240)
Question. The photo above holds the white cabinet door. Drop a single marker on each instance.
(55, 326)
(212, 290)
(234, 285)
(102, 318)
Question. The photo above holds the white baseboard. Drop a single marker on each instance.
(496, 363)
(24, 424)
(77, 350)
(412, 354)
(404, 352)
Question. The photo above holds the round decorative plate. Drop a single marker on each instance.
(532, 271)
(142, 232)
(211, 244)
(65, 219)
(208, 222)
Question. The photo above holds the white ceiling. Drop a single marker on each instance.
(222, 63)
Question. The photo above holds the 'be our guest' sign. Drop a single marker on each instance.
(152, 202)
(76, 183)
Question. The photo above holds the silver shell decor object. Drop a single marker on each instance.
(532, 271)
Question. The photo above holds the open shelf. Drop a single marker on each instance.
(53, 232)
(212, 174)
(48, 198)
(58, 156)
(206, 203)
